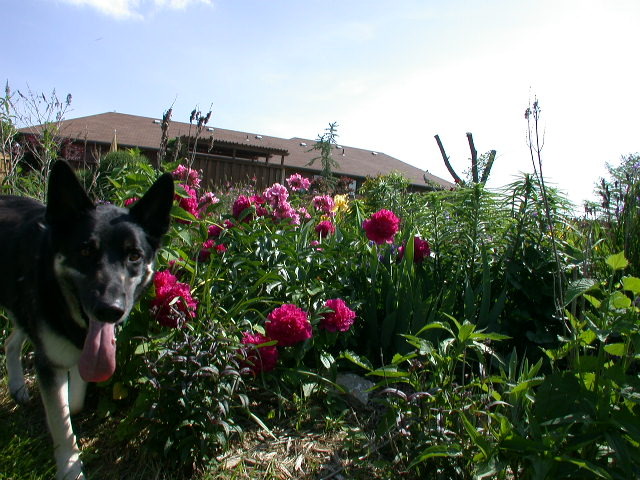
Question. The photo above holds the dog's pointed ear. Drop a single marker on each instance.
(153, 211)
(67, 199)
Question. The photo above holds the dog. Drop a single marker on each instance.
(70, 272)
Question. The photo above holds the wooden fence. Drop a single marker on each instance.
(219, 171)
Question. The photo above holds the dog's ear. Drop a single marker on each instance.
(153, 211)
(66, 198)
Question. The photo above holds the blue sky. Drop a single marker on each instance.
(391, 73)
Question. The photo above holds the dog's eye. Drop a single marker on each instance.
(87, 250)
(134, 256)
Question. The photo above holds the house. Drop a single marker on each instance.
(226, 155)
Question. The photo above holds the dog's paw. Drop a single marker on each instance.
(20, 395)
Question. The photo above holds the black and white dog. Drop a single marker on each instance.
(71, 271)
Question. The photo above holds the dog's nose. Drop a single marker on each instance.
(109, 312)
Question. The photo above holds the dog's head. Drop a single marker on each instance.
(103, 257)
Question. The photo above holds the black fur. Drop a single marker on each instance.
(65, 266)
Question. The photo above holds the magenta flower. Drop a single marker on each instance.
(421, 250)
(190, 203)
(130, 201)
(214, 231)
(341, 319)
(382, 226)
(239, 206)
(288, 324)
(324, 203)
(284, 211)
(297, 182)
(261, 359)
(325, 228)
(168, 311)
(187, 175)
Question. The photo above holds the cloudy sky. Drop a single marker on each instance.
(391, 73)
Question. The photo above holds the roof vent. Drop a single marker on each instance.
(259, 137)
(303, 144)
(374, 153)
(247, 139)
(157, 121)
(338, 147)
(209, 129)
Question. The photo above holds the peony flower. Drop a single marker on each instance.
(421, 250)
(187, 175)
(323, 203)
(190, 203)
(297, 182)
(207, 199)
(288, 324)
(261, 359)
(239, 206)
(325, 228)
(276, 194)
(214, 231)
(168, 311)
(382, 226)
(341, 319)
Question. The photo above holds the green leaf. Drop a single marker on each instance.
(526, 385)
(593, 468)
(578, 288)
(616, 349)
(390, 371)
(617, 261)
(437, 451)
(619, 300)
(357, 359)
(631, 284)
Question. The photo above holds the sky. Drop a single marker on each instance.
(392, 74)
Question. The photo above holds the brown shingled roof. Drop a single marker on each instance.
(145, 133)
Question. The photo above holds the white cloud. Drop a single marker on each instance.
(134, 9)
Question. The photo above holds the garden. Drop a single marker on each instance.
(304, 331)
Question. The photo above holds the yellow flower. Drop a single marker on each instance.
(341, 203)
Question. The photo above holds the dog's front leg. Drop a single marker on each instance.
(54, 388)
(77, 390)
(13, 350)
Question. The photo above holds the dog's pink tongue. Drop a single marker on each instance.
(98, 360)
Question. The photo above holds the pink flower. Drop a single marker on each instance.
(284, 211)
(288, 324)
(187, 175)
(239, 206)
(298, 182)
(382, 226)
(130, 201)
(341, 319)
(421, 250)
(221, 248)
(168, 312)
(304, 214)
(214, 231)
(190, 203)
(325, 228)
(207, 199)
(276, 194)
(324, 203)
(261, 359)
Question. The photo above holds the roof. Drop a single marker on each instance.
(146, 132)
